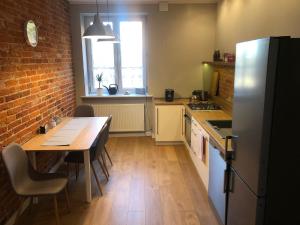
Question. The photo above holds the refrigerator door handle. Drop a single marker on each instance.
(231, 181)
(229, 154)
(233, 143)
(225, 185)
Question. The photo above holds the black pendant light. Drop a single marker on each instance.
(97, 29)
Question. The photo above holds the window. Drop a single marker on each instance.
(121, 64)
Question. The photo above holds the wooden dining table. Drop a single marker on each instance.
(82, 142)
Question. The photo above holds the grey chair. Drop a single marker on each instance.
(27, 182)
(108, 122)
(84, 111)
(96, 152)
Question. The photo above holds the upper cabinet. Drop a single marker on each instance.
(169, 123)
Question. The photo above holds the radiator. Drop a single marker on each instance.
(125, 117)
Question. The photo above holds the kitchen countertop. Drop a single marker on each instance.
(201, 116)
(176, 101)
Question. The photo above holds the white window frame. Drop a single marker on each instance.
(87, 19)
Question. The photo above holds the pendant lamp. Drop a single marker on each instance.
(97, 29)
(114, 40)
(109, 31)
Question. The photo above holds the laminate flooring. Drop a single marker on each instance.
(148, 185)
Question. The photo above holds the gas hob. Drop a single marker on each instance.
(204, 106)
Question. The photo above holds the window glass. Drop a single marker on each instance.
(131, 54)
(103, 61)
(121, 63)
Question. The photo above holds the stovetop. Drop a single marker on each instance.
(204, 106)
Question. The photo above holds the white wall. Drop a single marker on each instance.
(177, 43)
(241, 20)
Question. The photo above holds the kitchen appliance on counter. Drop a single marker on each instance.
(169, 95)
(200, 95)
(262, 184)
(204, 106)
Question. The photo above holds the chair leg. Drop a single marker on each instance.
(30, 205)
(103, 170)
(67, 199)
(104, 163)
(19, 210)
(108, 155)
(56, 210)
(97, 181)
(68, 169)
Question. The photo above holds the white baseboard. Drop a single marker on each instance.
(169, 143)
(131, 134)
(148, 133)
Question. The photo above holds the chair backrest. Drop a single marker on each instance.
(101, 141)
(108, 122)
(84, 111)
(17, 165)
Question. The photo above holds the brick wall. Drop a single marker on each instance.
(35, 83)
(226, 82)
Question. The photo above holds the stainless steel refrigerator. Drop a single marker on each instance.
(263, 188)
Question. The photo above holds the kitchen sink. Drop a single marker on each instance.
(222, 127)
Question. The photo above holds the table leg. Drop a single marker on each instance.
(87, 174)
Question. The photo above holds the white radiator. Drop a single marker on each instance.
(125, 117)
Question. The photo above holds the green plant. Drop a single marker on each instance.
(99, 78)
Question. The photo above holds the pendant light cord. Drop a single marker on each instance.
(97, 7)
(107, 11)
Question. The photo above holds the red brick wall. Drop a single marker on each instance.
(35, 83)
(226, 82)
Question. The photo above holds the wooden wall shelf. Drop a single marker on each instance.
(219, 63)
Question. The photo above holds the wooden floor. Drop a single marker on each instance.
(149, 185)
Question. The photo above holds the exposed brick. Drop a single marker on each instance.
(35, 83)
(12, 97)
(11, 83)
(226, 82)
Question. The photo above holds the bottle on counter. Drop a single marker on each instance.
(52, 123)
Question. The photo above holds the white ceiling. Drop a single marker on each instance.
(141, 1)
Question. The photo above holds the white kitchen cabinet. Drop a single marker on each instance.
(195, 138)
(199, 147)
(169, 123)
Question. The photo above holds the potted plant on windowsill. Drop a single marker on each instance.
(99, 79)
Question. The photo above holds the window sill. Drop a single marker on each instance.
(120, 96)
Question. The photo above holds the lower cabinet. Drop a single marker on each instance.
(169, 123)
(200, 151)
(216, 182)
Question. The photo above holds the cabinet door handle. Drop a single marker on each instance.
(157, 121)
(182, 122)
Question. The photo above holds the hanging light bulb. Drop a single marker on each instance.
(97, 29)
